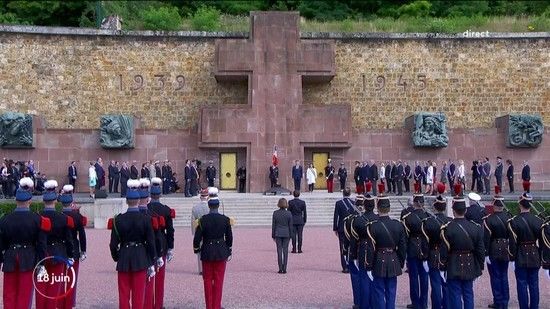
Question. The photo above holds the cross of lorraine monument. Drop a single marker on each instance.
(275, 62)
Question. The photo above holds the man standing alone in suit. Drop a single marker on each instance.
(510, 175)
(72, 174)
(297, 208)
(297, 174)
(498, 172)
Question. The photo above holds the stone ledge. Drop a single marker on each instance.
(243, 35)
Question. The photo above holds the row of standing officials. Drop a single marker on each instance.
(445, 253)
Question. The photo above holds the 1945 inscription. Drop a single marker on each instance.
(418, 83)
(156, 82)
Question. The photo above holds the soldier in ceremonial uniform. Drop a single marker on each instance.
(386, 256)
(431, 227)
(132, 246)
(197, 212)
(496, 237)
(329, 175)
(475, 212)
(360, 244)
(418, 276)
(342, 176)
(342, 209)
(79, 240)
(214, 240)
(59, 244)
(22, 245)
(462, 256)
(350, 250)
(525, 235)
(144, 185)
(210, 173)
(165, 237)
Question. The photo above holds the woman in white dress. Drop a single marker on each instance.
(92, 179)
(460, 175)
(311, 175)
(429, 178)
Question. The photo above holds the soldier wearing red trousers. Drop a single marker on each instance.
(22, 245)
(79, 241)
(165, 243)
(158, 262)
(213, 239)
(132, 246)
(59, 245)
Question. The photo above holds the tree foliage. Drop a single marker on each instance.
(163, 15)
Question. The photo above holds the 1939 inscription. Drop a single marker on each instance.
(156, 82)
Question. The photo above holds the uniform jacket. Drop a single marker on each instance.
(496, 236)
(342, 209)
(416, 245)
(386, 256)
(210, 172)
(132, 241)
(22, 240)
(329, 172)
(359, 238)
(78, 233)
(281, 224)
(60, 238)
(475, 213)
(213, 237)
(525, 230)
(431, 230)
(464, 253)
(166, 225)
(297, 208)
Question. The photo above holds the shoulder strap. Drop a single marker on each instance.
(467, 235)
(346, 201)
(528, 227)
(389, 234)
(501, 222)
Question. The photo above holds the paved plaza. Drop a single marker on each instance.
(314, 279)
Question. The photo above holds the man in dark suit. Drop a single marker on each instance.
(297, 208)
(124, 176)
(111, 176)
(510, 175)
(187, 178)
(297, 174)
(418, 174)
(117, 177)
(408, 176)
(134, 171)
(210, 173)
(399, 178)
(526, 176)
(342, 209)
(451, 174)
(358, 178)
(365, 173)
(487, 176)
(194, 186)
(373, 176)
(273, 175)
(100, 174)
(342, 176)
(72, 174)
(394, 174)
(498, 172)
(388, 173)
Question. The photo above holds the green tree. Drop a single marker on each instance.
(165, 18)
(418, 8)
(206, 19)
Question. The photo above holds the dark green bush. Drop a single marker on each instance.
(163, 18)
(8, 206)
(418, 8)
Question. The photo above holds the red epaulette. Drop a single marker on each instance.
(172, 213)
(84, 221)
(45, 224)
(155, 223)
(162, 222)
(70, 222)
(110, 224)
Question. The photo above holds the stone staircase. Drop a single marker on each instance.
(257, 210)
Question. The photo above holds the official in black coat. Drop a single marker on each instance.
(132, 247)
(124, 177)
(72, 173)
(373, 176)
(273, 175)
(526, 237)
(297, 208)
(241, 175)
(210, 173)
(526, 177)
(499, 169)
(22, 244)
(214, 240)
(342, 176)
(342, 209)
(79, 239)
(496, 237)
(59, 244)
(386, 257)
(365, 174)
(281, 230)
(359, 188)
(510, 175)
(134, 171)
(297, 174)
(462, 256)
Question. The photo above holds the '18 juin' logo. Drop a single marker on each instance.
(54, 277)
